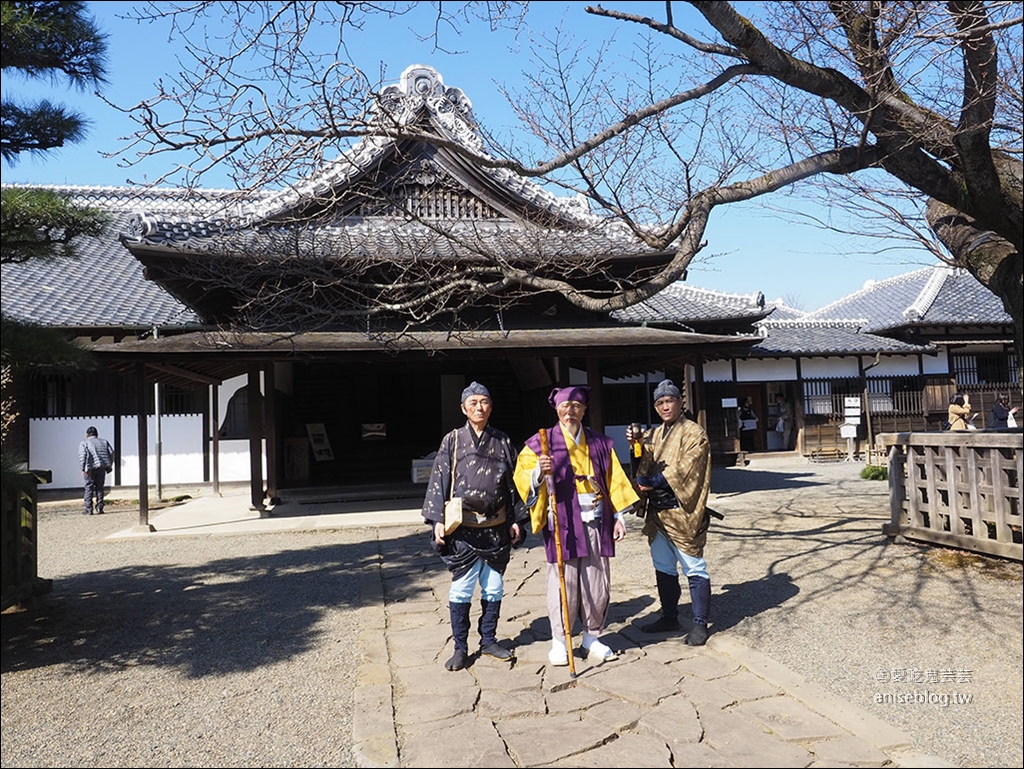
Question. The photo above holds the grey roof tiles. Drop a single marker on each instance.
(817, 338)
(931, 296)
(103, 288)
(685, 304)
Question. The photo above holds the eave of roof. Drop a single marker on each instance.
(958, 342)
(682, 303)
(388, 238)
(804, 338)
(273, 346)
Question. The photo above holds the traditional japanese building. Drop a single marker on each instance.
(358, 303)
(361, 301)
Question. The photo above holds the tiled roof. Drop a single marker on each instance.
(102, 288)
(105, 288)
(390, 239)
(782, 311)
(680, 303)
(963, 300)
(421, 90)
(808, 337)
(169, 201)
(938, 295)
(254, 220)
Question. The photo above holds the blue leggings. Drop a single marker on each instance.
(666, 557)
(492, 585)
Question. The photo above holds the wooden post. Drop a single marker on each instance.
(553, 512)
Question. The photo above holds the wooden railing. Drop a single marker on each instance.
(958, 489)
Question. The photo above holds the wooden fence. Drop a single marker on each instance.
(958, 489)
(19, 533)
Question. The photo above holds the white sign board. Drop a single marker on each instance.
(729, 403)
(321, 443)
(851, 409)
(848, 431)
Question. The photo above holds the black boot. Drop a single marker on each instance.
(669, 592)
(488, 627)
(460, 635)
(700, 605)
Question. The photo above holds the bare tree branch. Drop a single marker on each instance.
(884, 106)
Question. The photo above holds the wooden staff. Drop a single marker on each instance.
(553, 512)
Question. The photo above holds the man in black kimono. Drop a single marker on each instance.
(493, 519)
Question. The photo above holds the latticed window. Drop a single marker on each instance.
(985, 368)
(880, 395)
(428, 203)
(824, 397)
(51, 396)
(179, 400)
(895, 395)
(818, 397)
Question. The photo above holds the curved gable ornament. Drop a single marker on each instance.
(421, 87)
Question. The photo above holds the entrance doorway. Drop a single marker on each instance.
(757, 402)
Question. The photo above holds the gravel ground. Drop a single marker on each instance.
(174, 652)
(801, 572)
(238, 650)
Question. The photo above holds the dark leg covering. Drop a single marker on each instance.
(700, 604)
(460, 635)
(488, 627)
(669, 592)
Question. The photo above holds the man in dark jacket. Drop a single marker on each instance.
(473, 468)
(96, 459)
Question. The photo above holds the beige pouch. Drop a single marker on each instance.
(452, 514)
(453, 507)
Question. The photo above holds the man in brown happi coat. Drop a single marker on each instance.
(674, 474)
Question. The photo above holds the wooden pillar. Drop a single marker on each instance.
(699, 407)
(596, 408)
(270, 431)
(206, 436)
(118, 418)
(798, 409)
(141, 392)
(255, 426)
(215, 435)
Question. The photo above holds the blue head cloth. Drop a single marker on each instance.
(475, 388)
(665, 389)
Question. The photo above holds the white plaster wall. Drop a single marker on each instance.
(228, 388)
(53, 445)
(894, 365)
(936, 364)
(815, 368)
(234, 460)
(822, 368)
(772, 370)
(181, 450)
(718, 371)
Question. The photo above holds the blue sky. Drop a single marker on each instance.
(754, 248)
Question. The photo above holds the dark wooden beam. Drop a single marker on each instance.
(184, 373)
(255, 426)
